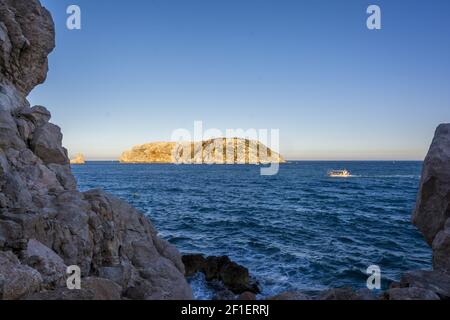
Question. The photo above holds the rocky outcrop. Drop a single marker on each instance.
(79, 159)
(410, 294)
(17, 280)
(215, 151)
(340, 294)
(435, 281)
(432, 214)
(234, 277)
(45, 223)
(27, 36)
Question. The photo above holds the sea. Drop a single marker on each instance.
(297, 230)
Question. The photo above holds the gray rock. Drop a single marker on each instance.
(10, 97)
(4, 165)
(9, 135)
(103, 289)
(17, 280)
(441, 249)
(10, 233)
(61, 294)
(433, 200)
(46, 144)
(339, 294)
(38, 115)
(126, 238)
(64, 175)
(411, 294)
(434, 281)
(46, 261)
(25, 129)
(291, 295)
(28, 36)
(116, 274)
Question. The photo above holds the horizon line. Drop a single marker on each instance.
(301, 160)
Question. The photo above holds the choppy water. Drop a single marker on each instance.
(296, 230)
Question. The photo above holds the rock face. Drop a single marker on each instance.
(215, 151)
(79, 159)
(410, 294)
(45, 223)
(27, 36)
(432, 214)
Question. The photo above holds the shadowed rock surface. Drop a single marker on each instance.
(45, 223)
(432, 214)
(234, 277)
(433, 201)
(410, 294)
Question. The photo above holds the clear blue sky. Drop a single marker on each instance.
(139, 69)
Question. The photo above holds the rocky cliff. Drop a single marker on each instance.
(432, 214)
(214, 151)
(45, 223)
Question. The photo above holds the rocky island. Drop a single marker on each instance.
(213, 151)
(79, 159)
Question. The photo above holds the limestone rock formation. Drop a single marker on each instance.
(45, 223)
(214, 151)
(432, 214)
(27, 36)
(16, 279)
(79, 159)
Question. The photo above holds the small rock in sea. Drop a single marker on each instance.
(234, 276)
(79, 159)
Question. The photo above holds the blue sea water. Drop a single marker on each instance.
(296, 230)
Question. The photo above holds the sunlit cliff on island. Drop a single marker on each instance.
(214, 151)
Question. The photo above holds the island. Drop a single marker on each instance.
(79, 159)
(213, 151)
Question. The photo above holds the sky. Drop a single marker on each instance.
(140, 69)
